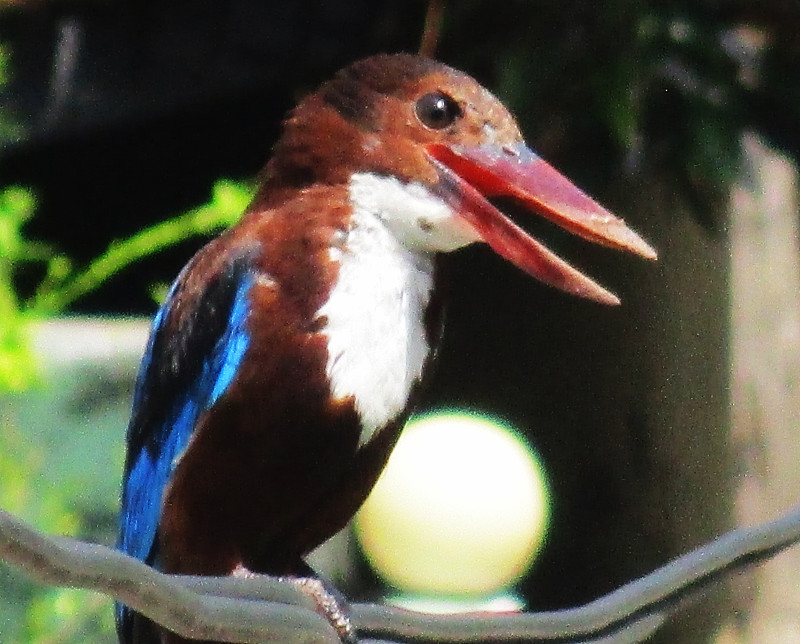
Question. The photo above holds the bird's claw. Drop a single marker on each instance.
(330, 605)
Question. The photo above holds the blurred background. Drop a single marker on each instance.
(661, 423)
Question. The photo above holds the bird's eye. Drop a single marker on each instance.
(437, 110)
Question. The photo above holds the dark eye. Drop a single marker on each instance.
(437, 110)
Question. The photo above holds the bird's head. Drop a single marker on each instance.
(424, 146)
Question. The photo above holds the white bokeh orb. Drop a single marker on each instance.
(461, 508)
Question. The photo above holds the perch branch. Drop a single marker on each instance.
(264, 609)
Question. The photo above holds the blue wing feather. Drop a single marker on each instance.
(187, 367)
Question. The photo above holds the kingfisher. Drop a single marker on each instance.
(290, 350)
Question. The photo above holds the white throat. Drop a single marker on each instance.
(374, 317)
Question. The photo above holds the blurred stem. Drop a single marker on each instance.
(432, 28)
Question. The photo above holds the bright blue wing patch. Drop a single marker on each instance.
(158, 436)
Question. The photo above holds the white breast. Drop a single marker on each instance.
(374, 317)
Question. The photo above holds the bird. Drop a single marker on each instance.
(291, 349)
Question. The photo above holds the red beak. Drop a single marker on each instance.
(467, 176)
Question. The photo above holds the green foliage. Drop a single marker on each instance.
(16, 364)
(33, 614)
(62, 283)
(4, 64)
(29, 613)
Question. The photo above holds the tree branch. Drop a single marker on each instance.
(264, 609)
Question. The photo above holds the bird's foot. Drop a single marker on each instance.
(243, 573)
(329, 601)
(330, 604)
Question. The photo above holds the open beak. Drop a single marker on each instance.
(468, 175)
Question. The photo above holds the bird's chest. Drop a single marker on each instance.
(374, 323)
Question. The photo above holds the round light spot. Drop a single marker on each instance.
(461, 508)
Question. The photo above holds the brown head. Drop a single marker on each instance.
(376, 114)
(421, 123)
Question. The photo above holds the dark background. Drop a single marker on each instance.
(126, 112)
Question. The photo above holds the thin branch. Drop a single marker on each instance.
(225, 207)
(263, 609)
